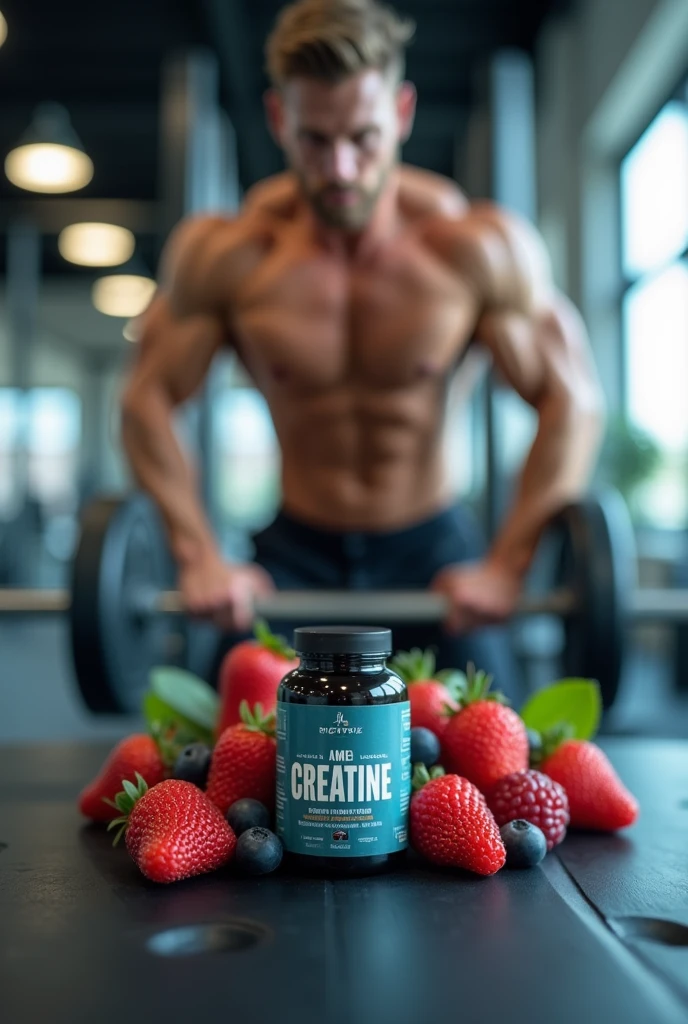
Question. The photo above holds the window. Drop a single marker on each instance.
(40, 434)
(10, 432)
(654, 179)
(53, 434)
(654, 207)
(247, 458)
(40, 442)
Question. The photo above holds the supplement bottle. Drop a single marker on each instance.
(343, 753)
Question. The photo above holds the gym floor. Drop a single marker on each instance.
(39, 699)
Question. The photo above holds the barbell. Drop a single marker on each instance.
(122, 617)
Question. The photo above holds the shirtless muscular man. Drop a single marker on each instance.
(349, 287)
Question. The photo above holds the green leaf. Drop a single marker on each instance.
(454, 680)
(420, 777)
(255, 720)
(141, 783)
(187, 695)
(163, 720)
(130, 789)
(414, 665)
(554, 737)
(271, 641)
(478, 684)
(575, 702)
(121, 825)
(123, 803)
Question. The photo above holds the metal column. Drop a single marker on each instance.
(95, 439)
(198, 174)
(23, 283)
(500, 163)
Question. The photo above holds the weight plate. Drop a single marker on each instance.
(599, 561)
(121, 548)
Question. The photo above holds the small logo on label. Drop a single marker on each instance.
(341, 727)
(340, 836)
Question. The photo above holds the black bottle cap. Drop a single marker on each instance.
(343, 640)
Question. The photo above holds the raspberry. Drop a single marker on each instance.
(535, 798)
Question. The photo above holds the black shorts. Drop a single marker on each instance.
(301, 557)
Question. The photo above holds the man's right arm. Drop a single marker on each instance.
(182, 331)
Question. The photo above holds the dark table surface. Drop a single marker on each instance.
(599, 933)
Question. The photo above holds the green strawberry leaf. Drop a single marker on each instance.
(255, 720)
(121, 825)
(455, 680)
(554, 737)
(121, 802)
(415, 665)
(271, 641)
(576, 702)
(420, 777)
(171, 730)
(188, 695)
(130, 789)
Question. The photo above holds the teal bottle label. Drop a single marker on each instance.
(343, 779)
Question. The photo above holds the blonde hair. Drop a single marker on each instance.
(332, 39)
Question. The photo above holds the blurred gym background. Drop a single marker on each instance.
(574, 112)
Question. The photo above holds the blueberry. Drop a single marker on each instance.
(193, 764)
(425, 747)
(525, 844)
(258, 851)
(245, 814)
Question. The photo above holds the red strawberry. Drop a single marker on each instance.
(172, 830)
(252, 671)
(451, 825)
(431, 698)
(534, 797)
(484, 740)
(598, 798)
(244, 762)
(138, 753)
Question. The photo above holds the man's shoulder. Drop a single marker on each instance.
(474, 223)
(202, 234)
(425, 194)
(201, 243)
(491, 245)
(207, 258)
(276, 196)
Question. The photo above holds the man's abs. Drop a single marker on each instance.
(353, 357)
(359, 460)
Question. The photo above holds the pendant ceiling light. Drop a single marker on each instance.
(49, 157)
(126, 292)
(96, 245)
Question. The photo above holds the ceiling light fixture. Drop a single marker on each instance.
(49, 157)
(96, 245)
(127, 292)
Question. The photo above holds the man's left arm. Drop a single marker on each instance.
(539, 344)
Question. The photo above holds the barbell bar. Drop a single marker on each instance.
(123, 619)
(660, 605)
(333, 605)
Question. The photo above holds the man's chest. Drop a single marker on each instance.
(309, 321)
